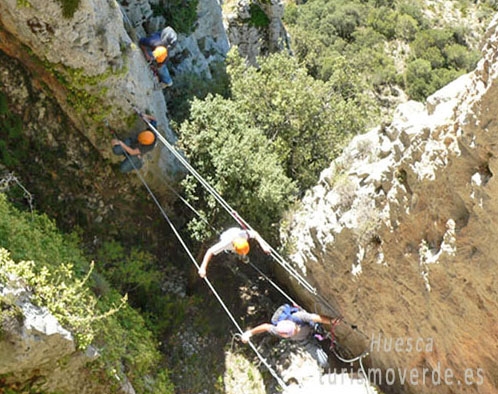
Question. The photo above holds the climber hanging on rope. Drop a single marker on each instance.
(156, 48)
(235, 240)
(296, 324)
(291, 322)
(135, 147)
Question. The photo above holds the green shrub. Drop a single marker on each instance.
(258, 18)
(69, 7)
(14, 147)
(383, 20)
(406, 28)
(181, 15)
(223, 145)
(66, 297)
(52, 264)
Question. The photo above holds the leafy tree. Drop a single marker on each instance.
(322, 30)
(406, 28)
(418, 79)
(433, 38)
(414, 9)
(345, 20)
(54, 266)
(384, 20)
(460, 58)
(234, 156)
(306, 120)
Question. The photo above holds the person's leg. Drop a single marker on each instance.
(117, 150)
(164, 76)
(131, 163)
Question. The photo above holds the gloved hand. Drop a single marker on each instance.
(246, 336)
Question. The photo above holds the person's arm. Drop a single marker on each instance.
(205, 261)
(265, 327)
(142, 43)
(322, 319)
(150, 118)
(266, 248)
(130, 151)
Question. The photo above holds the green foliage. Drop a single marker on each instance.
(180, 14)
(52, 264)
(279, 124)
(136, 273)
(437, 60)
(406, 28)
(306, 120)
(418, 78)
(124, 340)
(69, 7)
(68, 298)
(128, 270)
(188, 86)
(223, 144)
(258, 17)
(13, 144)
(383, 20)
(321, 29)
(344, 20)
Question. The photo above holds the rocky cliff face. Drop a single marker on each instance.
(92, 65)
(256, 28)
(400, 234)
(36, 349)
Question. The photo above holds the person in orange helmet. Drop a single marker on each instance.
(134, 148)
(156, 49)
(234, 240)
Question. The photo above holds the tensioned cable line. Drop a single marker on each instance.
(291, 270)
(211, 287)
(246, 225)
(276, 256)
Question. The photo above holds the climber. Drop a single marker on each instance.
(156, 48)
(291, 322)
(135, 147)
(296, 324)
(235, 240)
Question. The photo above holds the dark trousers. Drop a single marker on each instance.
(130, 163)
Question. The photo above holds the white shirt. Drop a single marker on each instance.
(227, 238)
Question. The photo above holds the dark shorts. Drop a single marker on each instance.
(131, 162)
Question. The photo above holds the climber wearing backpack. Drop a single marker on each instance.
(290, 322)
(135, 147)
(296, 324)
(156, 48)
(234, 240)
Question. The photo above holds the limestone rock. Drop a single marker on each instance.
(399, 233)
(35, 348)
(251, 39)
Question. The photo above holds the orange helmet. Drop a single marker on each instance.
(241, 246)
(160, 54)
(146, 137)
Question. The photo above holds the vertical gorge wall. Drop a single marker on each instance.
(400, 234)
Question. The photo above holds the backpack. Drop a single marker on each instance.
(168, 37)
(286, 312)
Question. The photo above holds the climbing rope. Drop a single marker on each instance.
(276, 256)
(206, 280)
(279, 289)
